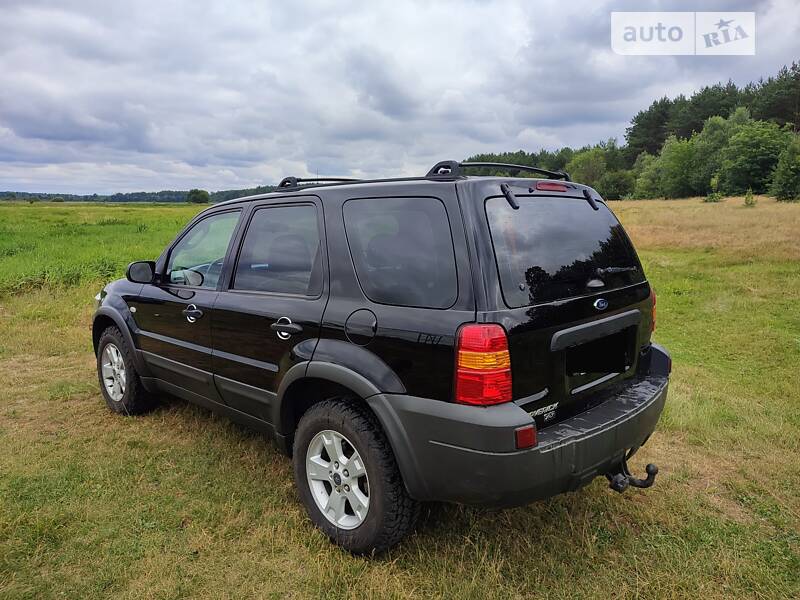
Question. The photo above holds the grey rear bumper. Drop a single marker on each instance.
(465, 454)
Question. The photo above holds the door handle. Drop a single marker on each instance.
(285, 328)
(192, 313)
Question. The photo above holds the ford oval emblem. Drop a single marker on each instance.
(601, 304)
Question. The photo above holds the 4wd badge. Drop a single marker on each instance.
(546, 412)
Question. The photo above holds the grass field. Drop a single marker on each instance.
(180, 503)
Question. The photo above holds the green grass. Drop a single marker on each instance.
(67, 244)
(181, 503)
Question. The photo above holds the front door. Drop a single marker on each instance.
(174, 314)
(268, 319)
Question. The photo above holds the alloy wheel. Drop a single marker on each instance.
(338, 479)
(113, 372)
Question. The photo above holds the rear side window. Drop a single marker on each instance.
(402, 250)
(281, 252)
(552, 248)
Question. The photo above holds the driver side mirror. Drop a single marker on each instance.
(142, 271)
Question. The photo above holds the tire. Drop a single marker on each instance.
(129, 398)
(391, 513)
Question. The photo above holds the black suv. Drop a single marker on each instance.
(482, 340)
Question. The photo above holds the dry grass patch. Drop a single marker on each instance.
(771, 230)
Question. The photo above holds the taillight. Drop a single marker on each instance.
(483, 365)
(653, 309)
(550, 186)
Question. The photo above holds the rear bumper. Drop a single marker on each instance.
(450, 452)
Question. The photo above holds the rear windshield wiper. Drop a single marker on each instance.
(588, 195)
(612, 270)
(510, 197)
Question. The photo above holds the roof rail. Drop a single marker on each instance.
(454, 168)
(294, 182)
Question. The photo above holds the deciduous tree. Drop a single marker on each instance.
(198, 196)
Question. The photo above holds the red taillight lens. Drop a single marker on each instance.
(653, 309)
(525, 436)
(488, 337)
(550, 186)
(483, 365)
(483, 388)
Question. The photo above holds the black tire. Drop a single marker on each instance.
(135, 400)
(392, 513)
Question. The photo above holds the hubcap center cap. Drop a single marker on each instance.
(337, 479)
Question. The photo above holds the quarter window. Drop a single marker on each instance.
(402, 250)
(281, 252)
(196, 260)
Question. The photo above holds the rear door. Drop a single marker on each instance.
(572, 296)
(174, 314)
(268, 317)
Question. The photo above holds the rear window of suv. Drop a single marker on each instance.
(402, 250)
(551, 248)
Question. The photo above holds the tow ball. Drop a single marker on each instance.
(620, 477)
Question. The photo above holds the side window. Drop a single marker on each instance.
(402, 250)
(196, 260)
(281, 252)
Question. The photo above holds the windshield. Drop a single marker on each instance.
(553, 248)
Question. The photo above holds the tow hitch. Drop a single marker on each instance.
(620, 477)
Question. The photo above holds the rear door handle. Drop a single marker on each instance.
(285, 328)
(192, 313)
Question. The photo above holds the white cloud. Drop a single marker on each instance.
(103, 97)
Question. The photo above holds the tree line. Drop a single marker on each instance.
(194, 195)
(721, 140)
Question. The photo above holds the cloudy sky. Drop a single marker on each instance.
(104, 96)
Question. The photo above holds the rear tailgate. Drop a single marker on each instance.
(574, 300)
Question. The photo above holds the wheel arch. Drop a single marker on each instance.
(355, 366)
(307, 383)
(107, 317)
(303, 388)
(337, 368)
